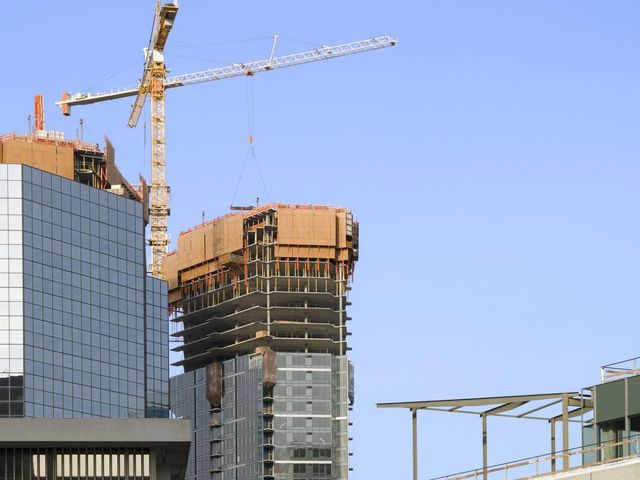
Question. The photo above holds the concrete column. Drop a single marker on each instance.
(153, 464)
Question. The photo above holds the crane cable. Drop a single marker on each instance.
(250, 122)
(187, 46)
(250, 150)
(105, 77)
(201, 59)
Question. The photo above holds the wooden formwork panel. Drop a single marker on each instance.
(306, 226)
(17, 152)
(312, 232)
(172, 271)
(210, 241)
(174, 297)
(56, 159)
(113, 175)
(65, 161)
(304, 251)
(43, 157)
(341, 229)
(189, 273)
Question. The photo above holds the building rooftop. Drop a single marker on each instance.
(85, 163)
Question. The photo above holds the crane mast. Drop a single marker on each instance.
(159, 190)
(154, 83)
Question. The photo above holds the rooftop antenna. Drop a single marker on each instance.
(203, 217)
(29, 123)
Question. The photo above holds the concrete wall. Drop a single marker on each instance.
(39, 431)
(623, 470)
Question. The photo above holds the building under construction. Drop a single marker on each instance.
(86, 163)
(261, 298)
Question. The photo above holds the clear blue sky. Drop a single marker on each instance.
(492, 159)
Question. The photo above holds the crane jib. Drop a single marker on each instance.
(239, 69)
(154, 83)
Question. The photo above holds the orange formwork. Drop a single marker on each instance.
(271, 278)
(82, 162)
(294, 238)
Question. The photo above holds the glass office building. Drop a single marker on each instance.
(294, 431)
(83, 329)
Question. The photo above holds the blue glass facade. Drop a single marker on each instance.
(297, 430)
(86, 332)
(11, 293)
(157, 349)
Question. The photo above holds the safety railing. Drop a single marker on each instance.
(624, 368)
(29, 138)
(555, 463)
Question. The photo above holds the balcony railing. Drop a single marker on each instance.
(552, 464)
(625, 368)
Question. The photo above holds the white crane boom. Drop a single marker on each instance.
(237, 69)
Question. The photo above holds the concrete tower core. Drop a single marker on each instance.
(262, 296)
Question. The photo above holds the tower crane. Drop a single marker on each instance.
(154, 82)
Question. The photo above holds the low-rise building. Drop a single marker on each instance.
(115, 449)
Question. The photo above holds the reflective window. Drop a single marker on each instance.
(75, 303)
(11, 320)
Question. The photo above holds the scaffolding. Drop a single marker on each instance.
(275, 277)
(84, 163)
(89, 168)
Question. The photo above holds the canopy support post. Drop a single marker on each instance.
(565, 432)
(485, 473)
(414, 421)
(553, 444)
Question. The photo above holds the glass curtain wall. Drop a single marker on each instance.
(11, 295)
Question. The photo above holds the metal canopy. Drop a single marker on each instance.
(499, 405)
(531, 407)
